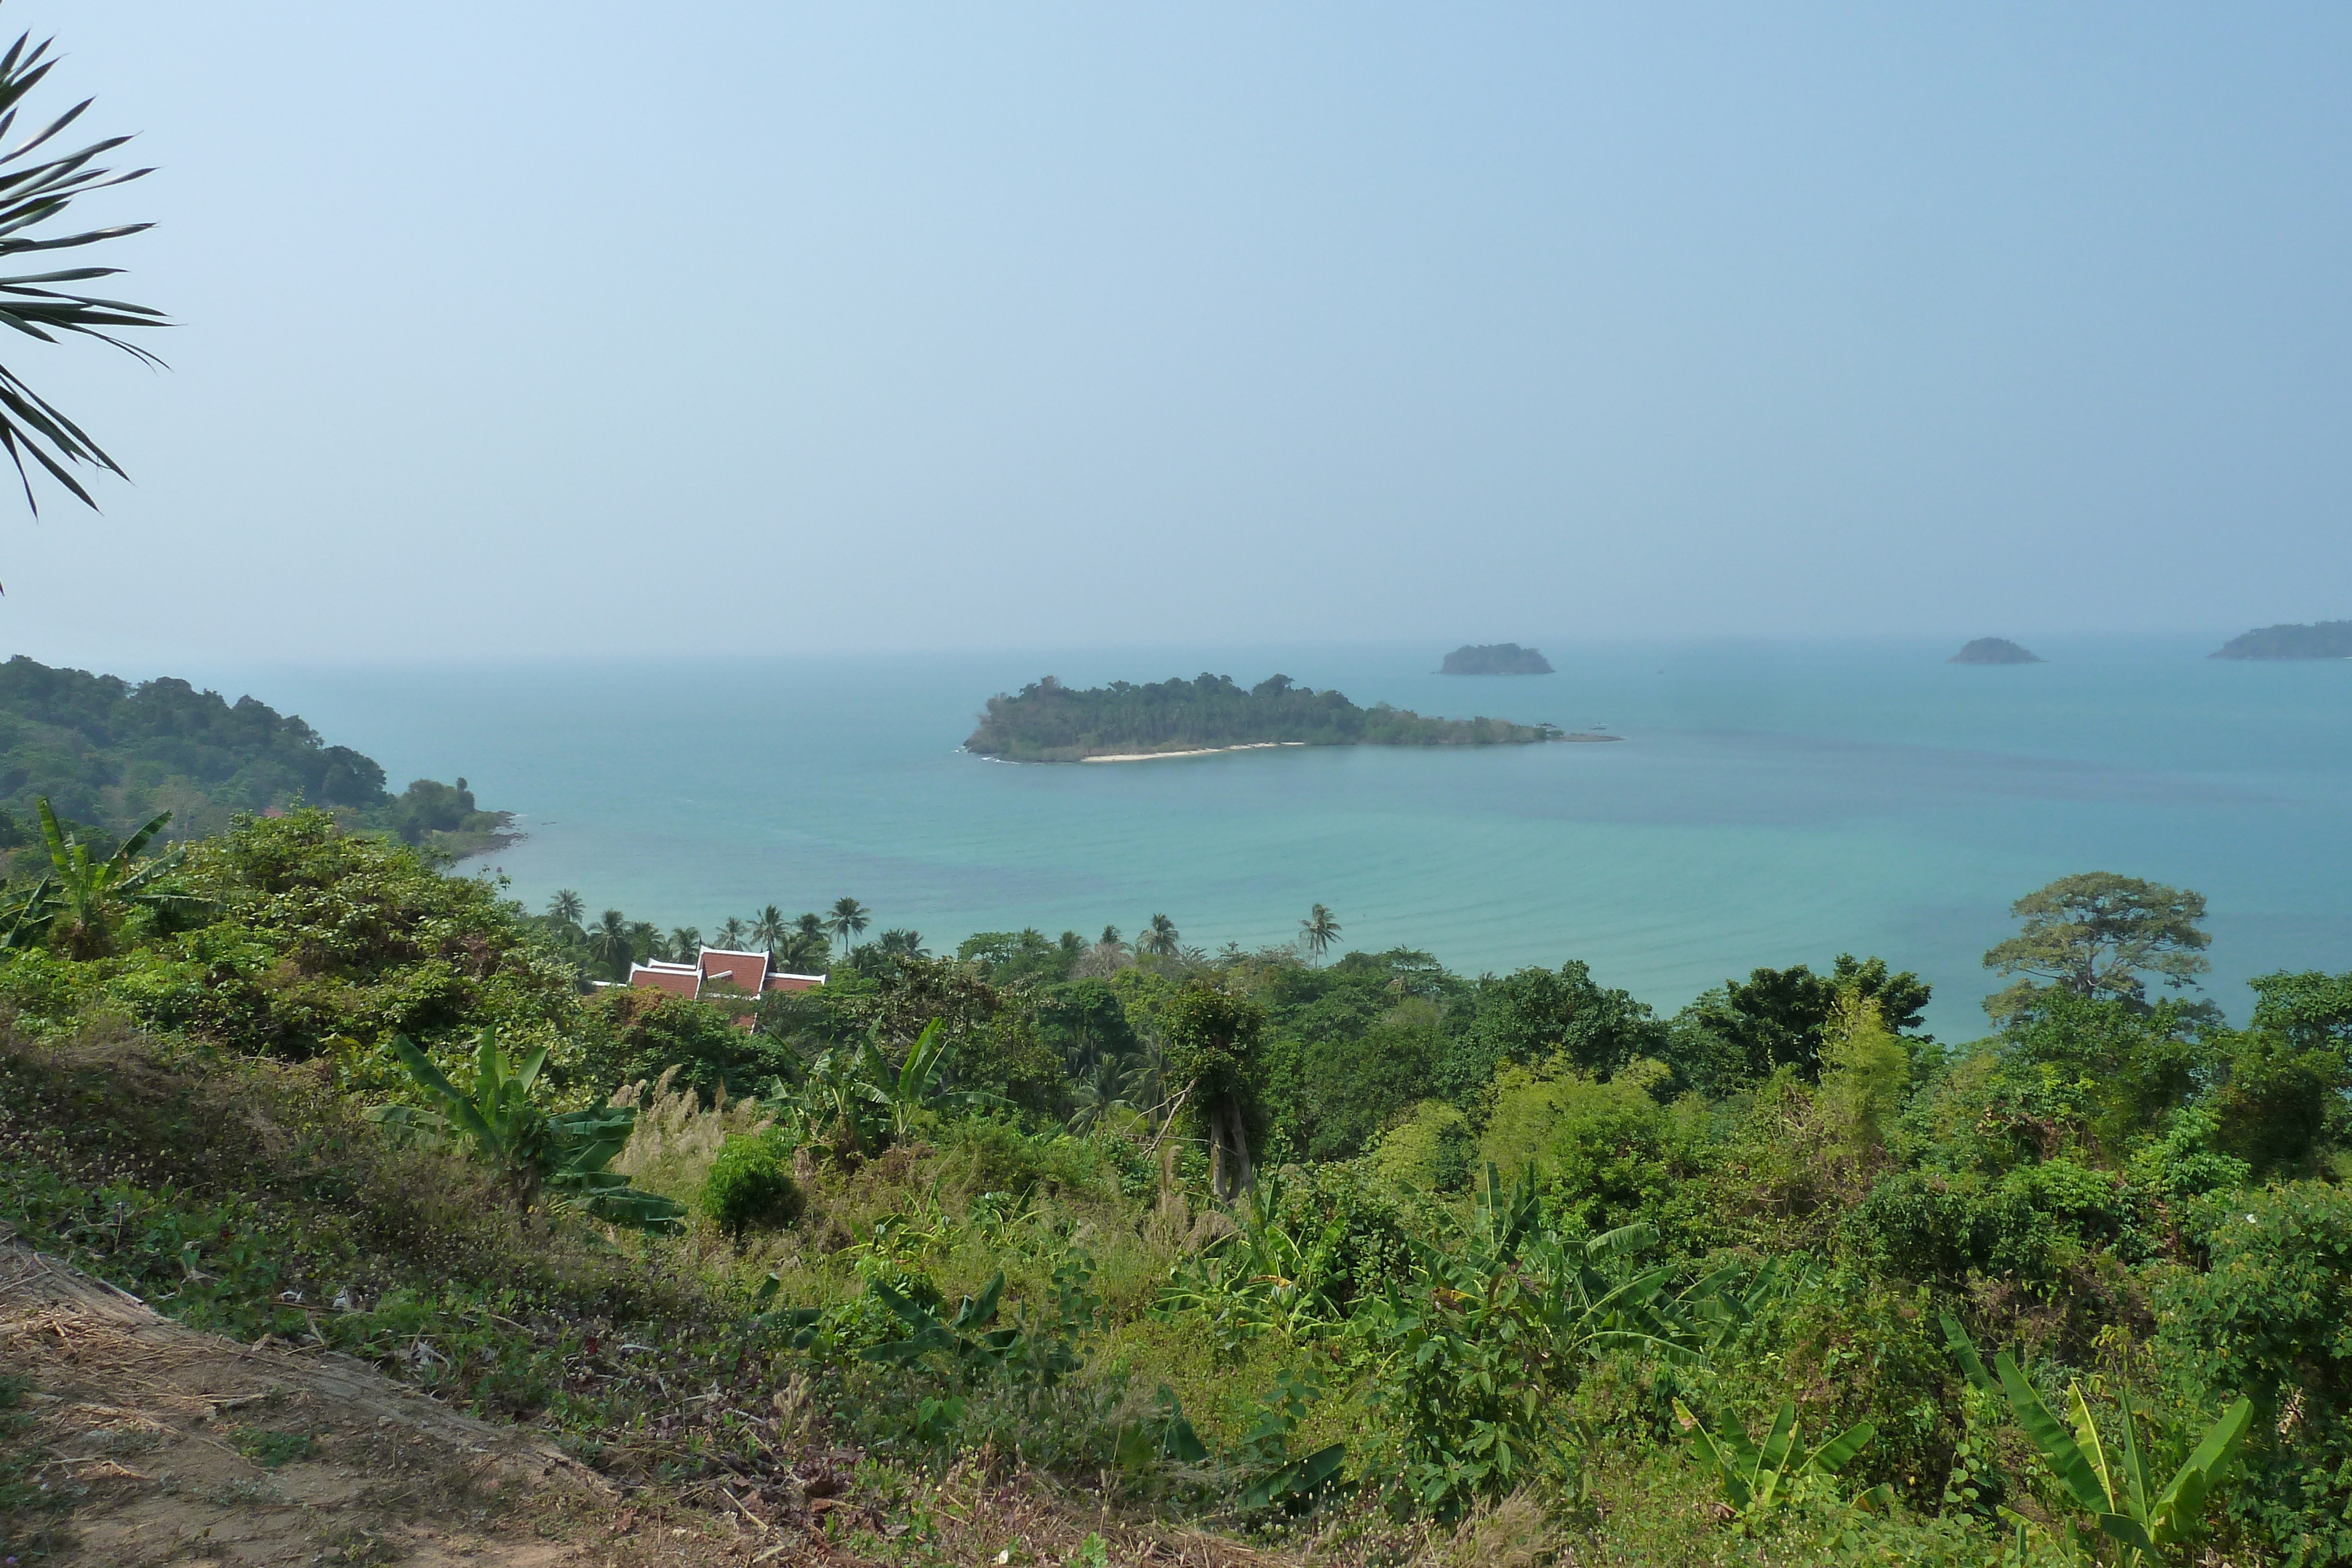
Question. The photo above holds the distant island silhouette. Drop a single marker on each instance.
(1993, 651)
(2322, 639)
(1494, 659)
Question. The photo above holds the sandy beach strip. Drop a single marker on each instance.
(1203, 751)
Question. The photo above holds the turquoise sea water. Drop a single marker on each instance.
(1770, 803)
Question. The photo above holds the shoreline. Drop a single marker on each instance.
(1198, 751)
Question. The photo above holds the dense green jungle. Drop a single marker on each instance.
(1335, 1256)
(111, 755)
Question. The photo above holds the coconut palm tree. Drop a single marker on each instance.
(1318, 931)
(905, 944)
(769, 929)
(611, 944)
(32, 192)
(684, 942)
(733, 933)
(1159, 938)
(1099, 1094)
(1106, 958)
(806, 947)
(848, 919)
(644, 937)
(566, 907)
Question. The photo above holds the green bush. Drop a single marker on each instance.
(1430, 1149)
(635, 1034)
(751, 1184)
(2270, 1317)
(984, 1154)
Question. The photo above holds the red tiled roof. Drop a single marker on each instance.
(678, 979)
(719, 970)
(745, 971)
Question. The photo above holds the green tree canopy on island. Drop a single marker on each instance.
(1049, 722)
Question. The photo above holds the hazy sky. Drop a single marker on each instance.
(718, 327)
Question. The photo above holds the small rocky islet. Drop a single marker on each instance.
(1494, 659)
(1994, 650)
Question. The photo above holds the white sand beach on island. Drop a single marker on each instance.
(1203, 751)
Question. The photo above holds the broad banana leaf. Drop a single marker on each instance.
(2184, 1499)
(1965, 1350)
(2050, 1435)
(1839, 1451)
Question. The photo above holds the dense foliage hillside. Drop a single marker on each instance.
(111, 755)
(1494, 659)
(1420, 1267)
(2323, 640)
(1049, 722)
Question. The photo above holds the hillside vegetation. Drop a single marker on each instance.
(1080, 1255)
(1049, 722)
(111, 755)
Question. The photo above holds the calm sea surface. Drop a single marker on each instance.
(1768, 804)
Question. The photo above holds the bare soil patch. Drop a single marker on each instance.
(171, 1446)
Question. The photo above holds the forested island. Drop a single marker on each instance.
(2322, 639)
(1049, 722)
(108, 755)
(1993, 651)
(1494, 659)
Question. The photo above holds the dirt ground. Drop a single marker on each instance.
(163, 1445)
(174, 1447)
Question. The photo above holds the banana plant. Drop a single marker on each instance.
(972, 1339)
(83, 897)
(566, 1152)
(913, 1088)
(26, 922)
(1757, 1481)
(2142, 1519)
(1472, 1352)
(1259, 1279)
(854, 1095)
(1723, 1312)
(839, 1099)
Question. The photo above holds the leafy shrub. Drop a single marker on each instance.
(318, 934)
(637, 1034)
(2030, 1226)
(984, 1154)
(2270, 1317)
(1430, 1150)
(1533, 1014)
(1338, 1090)
(751, 1185)
(1598, 1149)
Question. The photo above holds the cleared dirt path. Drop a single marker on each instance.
(174, 1445)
